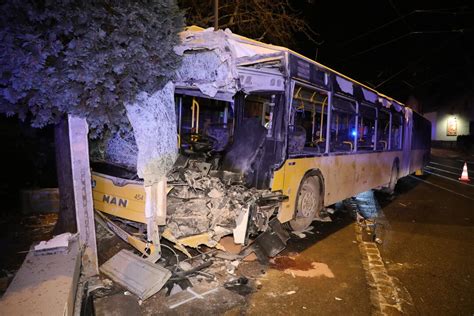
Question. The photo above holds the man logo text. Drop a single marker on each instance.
(113, 200)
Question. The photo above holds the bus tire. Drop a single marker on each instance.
(308, 203)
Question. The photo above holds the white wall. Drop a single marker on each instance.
(439, 124)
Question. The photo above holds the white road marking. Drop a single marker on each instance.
(448, 178)
(468, 162)
(438, 186)
(455, 173)
(440, 164)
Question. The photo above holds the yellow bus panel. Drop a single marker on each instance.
(124, 198)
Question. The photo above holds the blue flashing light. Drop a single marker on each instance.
(354, 133)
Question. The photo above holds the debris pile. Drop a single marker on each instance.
(202, 203)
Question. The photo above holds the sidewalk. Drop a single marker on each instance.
(451, 153)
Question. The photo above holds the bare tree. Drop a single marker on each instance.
(273, 21)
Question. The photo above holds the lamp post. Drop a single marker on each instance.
(216, 15)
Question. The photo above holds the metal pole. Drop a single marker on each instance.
(357, 127)
(376, 141)
(328, 120)
(216, 15)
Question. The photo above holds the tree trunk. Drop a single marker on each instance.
(67, 215)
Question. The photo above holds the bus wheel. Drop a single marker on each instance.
(308, 203)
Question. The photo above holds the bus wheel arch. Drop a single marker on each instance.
(309, 200)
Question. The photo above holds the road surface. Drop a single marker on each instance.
(423, 265)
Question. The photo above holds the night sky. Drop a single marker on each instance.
(401, 48)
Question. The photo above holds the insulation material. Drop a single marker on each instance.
(155, 209)
(408, 114)
(210, 61)
(245, 50)
(345, 85)
(209, 71)
(122, 149)
(369, 95)
(207, 62)
(385, 103)
(153, 120)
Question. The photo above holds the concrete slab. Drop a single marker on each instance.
(44, 285)
(140, 276)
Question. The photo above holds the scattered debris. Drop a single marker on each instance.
(57, 244)
(230, 246)
(302, 234)
(202, 203)
(271, 242)
(337, 298)
(290, 292)
(298, 234)
(175, 289)
(240, 286)
(330, 210)
(183, 274)
(138, 275)
(185, 266)
(187, 296)
(324, 219)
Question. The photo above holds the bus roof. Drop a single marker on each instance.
(244, 46)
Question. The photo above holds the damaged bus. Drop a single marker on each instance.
(267, 139)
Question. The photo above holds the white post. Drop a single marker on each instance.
(78, 130)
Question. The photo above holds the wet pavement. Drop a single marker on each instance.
(410, 254)
(423, 265)
(429, 241)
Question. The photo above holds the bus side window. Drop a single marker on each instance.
(396, 135)
(383, 130)
(366, 128)
(343, 126)
(308, 131)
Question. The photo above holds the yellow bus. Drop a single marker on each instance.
(273, 120)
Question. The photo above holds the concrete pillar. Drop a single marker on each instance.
(78, 130)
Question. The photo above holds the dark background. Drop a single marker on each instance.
(403, 49)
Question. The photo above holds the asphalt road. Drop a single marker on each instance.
(423, 263)
(413, 254)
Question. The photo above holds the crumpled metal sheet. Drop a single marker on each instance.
(207, 62)
(210, 60)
